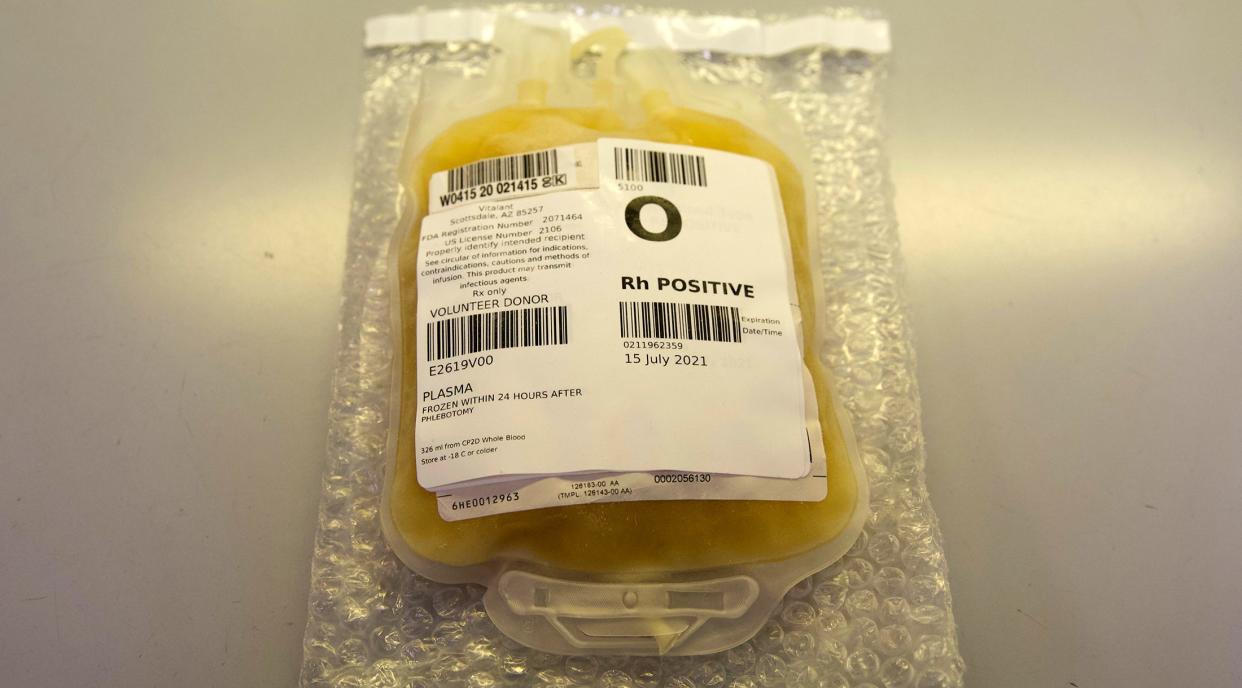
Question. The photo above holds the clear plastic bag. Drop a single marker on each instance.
(880, 615)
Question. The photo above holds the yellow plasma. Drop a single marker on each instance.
(616, 538)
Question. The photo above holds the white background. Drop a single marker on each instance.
(174, 189)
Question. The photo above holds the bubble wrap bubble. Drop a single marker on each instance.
(881, 616)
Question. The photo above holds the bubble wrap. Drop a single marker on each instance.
(881, 616)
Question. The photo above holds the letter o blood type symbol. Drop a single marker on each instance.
(634, 221)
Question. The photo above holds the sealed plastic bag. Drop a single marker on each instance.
(647, 574)
(540, 244)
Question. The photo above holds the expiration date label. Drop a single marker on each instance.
(646, 321)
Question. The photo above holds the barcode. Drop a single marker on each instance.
(636, 165)
(523, 166)
(468, 334)
(658, 320)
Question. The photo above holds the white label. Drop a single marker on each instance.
(539, 493)
(648, 324)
